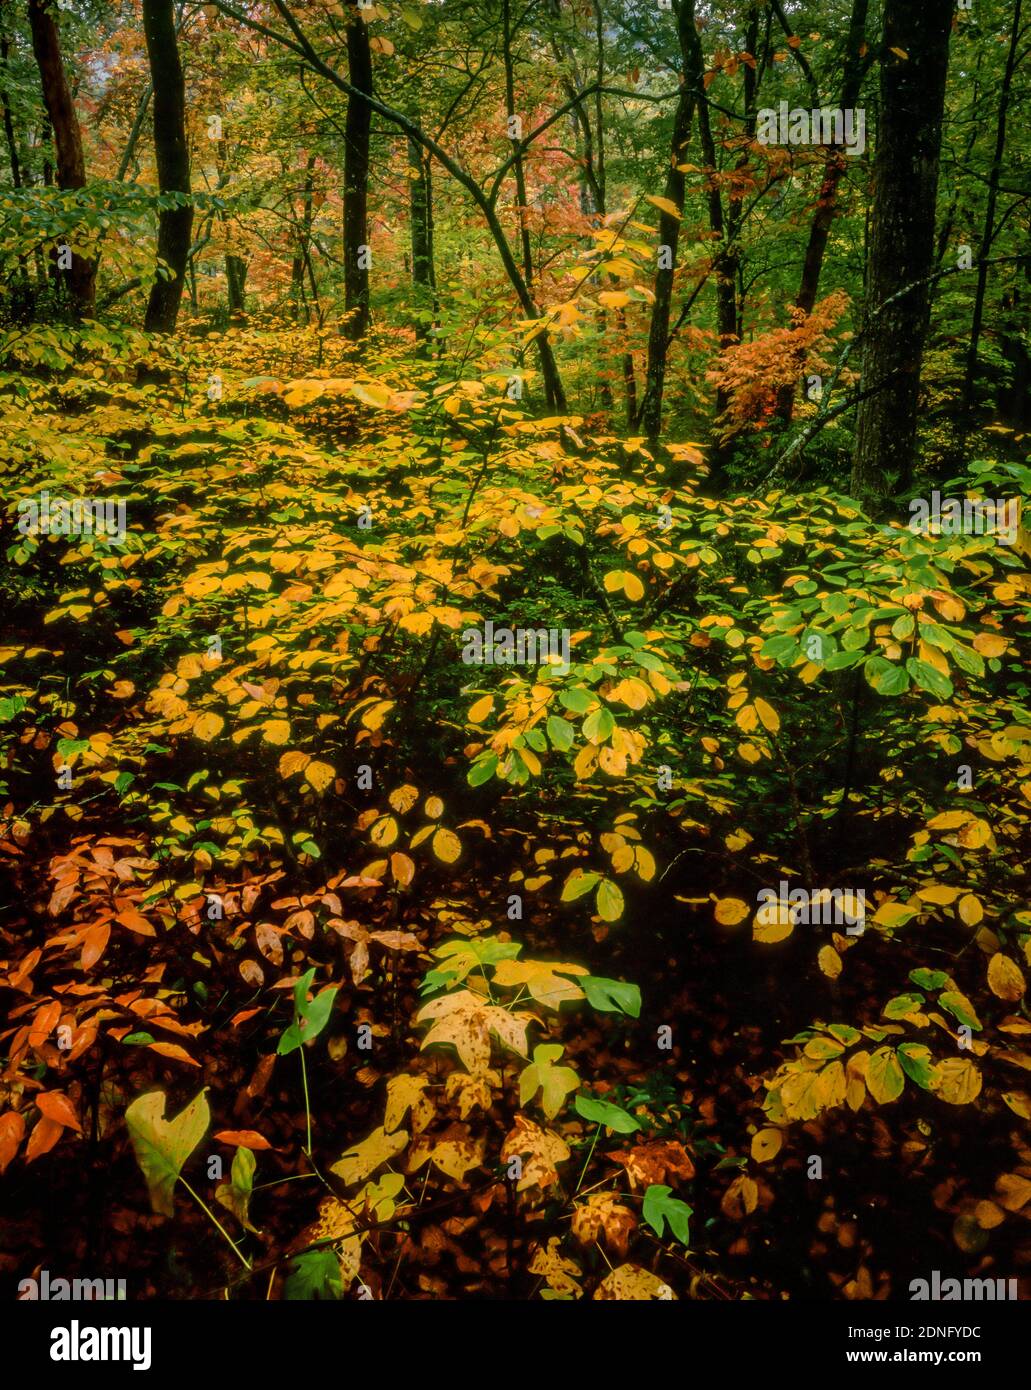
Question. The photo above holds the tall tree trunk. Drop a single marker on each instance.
(12, 143)
(988, 235)
(356, 180)
(236, 282)
(302, 260)
(71, 166)
(420, 209)
(669, 226)
(172, 155)
(517, 164)
(827, 203)
(902, 241)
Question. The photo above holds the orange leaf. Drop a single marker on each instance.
(12, 1130)
(94, 943)
(56, 1106)
(173, 1050)
(44, 1136)
(243, 1138)
(136, 922)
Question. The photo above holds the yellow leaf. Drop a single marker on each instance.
(446, 845)
(275, 730)
(294, 761)
(363, 1159)
(206, 726)
(730, 911)
(1005, 978)
(938, 894)
(766, 1145)
(434, 808)
(479, 711)
(746, 718)
(773, 922)
(384, 832)
(956, 1081)
(768, 715)
(970, 910)
(829, 962)
(319, 775)
(663, 204)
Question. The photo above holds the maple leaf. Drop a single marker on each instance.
(541, 979)
(466, 1022)
(602, 1214)
(631, 1284)
(453, 1152)
(404, 1093)
(554, 1083)
(363, 1159)
(541, 1149)
(654, 1161)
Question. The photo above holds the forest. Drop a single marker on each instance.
(515, 715)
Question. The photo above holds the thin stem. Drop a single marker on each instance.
(208, 1212)
(307, 1107)
(594, 1141)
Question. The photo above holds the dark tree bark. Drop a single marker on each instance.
(175, 224)
(901, 250)
(827, 204)
(236, 282)
(669, 226)
(988, 235)
(517, 163)
(421, 226)
(9, 135)
(71, 166)
(356, 180)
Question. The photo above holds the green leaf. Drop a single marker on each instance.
(917, 1063)
(659, 1206)
(577, 700)
(611, 996)
(927, 678)
(929, 979)
(554, 1083)
(609, 901)
(315, 1274)
(603, 1112)
(163, 1146)
(236, 1194)
(482, 770)
(597, 727)
(561, 732)
(577, 884)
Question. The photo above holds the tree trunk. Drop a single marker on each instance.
(988, 235)
(902, 241)
(669, 228)
(827, 204)
(71, 166)
(420, 217)
(172, 155)
(236, 282)
(356, 180)
(12, 143)
(517, 165)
